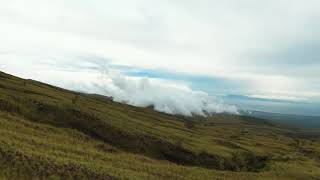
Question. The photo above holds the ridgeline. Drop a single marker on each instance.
(50, 133)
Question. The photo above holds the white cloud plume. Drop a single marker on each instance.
(165, 96)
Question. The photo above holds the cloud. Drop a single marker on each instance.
(165, 96)
(259, 48)
(172, 97)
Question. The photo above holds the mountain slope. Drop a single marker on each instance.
(49, 132)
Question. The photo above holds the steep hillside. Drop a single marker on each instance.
(48, 132)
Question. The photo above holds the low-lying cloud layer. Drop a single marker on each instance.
(164, 95)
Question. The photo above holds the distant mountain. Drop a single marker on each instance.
(277, 109)
(288, 119)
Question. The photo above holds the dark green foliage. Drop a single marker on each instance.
(75, 99)
(190, 124)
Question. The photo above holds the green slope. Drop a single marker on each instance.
(47, 132)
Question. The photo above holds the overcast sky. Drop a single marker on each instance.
(262, 49)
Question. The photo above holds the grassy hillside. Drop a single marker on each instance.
(50, 133)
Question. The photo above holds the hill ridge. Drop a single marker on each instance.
(215, 145)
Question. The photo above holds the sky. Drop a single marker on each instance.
(182, 56)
